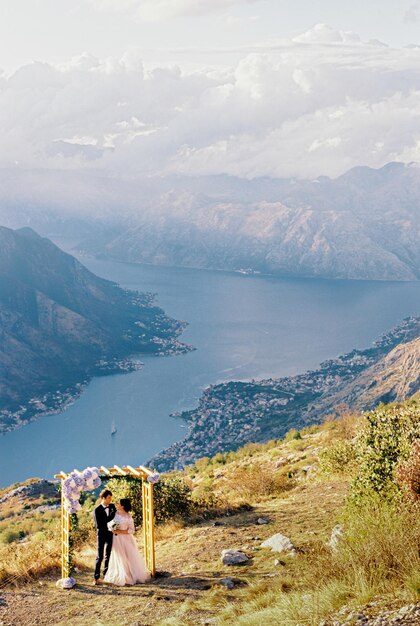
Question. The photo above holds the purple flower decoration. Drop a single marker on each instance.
(79, 482)
(87, 474)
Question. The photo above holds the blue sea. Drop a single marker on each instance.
(242, 327)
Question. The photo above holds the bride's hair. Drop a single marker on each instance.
(126, 504)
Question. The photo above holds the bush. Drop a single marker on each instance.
(29, 561)
(250, 482)
(338, 458)
(172, 497)
(292, 434)
(83, 531)
(383, 443)
(9, 536)
(202, 464)
(128, 487)
(219, 459)
(409, 472)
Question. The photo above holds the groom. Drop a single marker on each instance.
(103, 514)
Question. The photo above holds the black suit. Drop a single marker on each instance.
(104, 536)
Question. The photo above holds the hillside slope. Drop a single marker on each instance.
(296, 487)
(59, 323)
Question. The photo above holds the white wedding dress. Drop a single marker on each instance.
(126, 565)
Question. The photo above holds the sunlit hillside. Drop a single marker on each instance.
(343, 493)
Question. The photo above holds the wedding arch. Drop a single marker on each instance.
(74, 483)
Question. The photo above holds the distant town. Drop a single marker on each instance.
(234, 413)
(59, 399)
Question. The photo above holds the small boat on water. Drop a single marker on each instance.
(113, 428)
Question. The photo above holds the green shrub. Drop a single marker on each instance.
(219, 459)
(292, 434)
(383, 443)
(338, 458)
(172, 497)
(202, 463)
(84, 530)
(128, 487)
(9, 536)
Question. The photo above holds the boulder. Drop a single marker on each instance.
(233, 557)
(279, 543)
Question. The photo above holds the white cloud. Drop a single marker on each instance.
(412, 14)
(295, 109)
(155, 10)
(322, 33)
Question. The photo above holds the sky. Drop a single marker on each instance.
(248, 88)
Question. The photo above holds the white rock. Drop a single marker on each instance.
(279, 543)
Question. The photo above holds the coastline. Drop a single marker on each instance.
(231, 414)
(59, 399)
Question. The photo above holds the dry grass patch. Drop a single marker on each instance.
(23, 562)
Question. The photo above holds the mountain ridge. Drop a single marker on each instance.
(363, 225)
(60, 324)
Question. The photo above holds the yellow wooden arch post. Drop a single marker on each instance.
(142, 473)
(149, 526)
(65, 538)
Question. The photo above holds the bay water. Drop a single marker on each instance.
(242, 327)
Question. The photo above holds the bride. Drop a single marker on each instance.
(126, 565)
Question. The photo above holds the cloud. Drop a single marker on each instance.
(320, 104)
(412, 14)
(322, 33)
(156, 10)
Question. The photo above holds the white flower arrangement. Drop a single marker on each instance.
(153, 478)
(75, 483)
(66, 583)
(113, 525)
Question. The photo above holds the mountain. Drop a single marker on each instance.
(232, 414)
(362, 225)
(393, 378)
(60, 324)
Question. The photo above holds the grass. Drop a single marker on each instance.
(378, 560)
